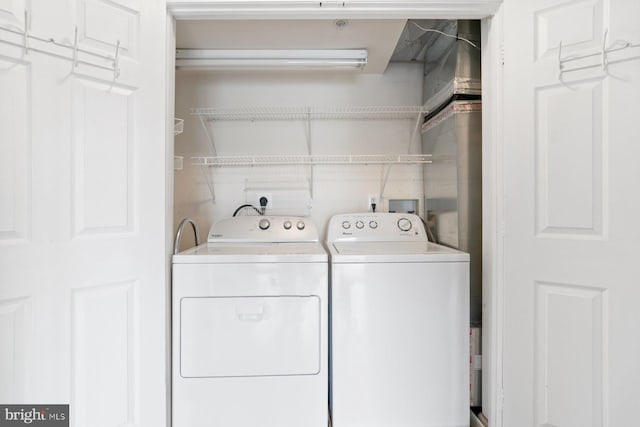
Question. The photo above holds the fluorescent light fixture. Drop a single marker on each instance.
(277, 59)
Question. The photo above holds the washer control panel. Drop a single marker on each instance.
(376, 227)
(259, 229)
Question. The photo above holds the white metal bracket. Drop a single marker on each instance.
(419, 120)
(212, 144)
(29, 43)
(603, 56)
(209, 181)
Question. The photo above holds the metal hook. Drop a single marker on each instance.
(560, 61)
(605, 61)
(116, 62)
(25, 35)
(75, 49)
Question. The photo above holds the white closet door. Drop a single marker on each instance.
(82, 213)
(572, 240)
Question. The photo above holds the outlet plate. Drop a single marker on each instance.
(269, 200)
(373, 198)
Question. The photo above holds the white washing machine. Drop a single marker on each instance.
(399, 325)
(250, 324)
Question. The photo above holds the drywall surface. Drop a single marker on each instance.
(334, 189)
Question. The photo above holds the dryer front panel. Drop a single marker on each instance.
(249, 336)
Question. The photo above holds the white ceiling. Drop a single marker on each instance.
(379, 37)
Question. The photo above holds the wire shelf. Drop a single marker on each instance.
(309, 113)
(301, 160)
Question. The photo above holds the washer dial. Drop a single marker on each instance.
(404, 224)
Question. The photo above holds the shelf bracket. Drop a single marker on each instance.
(209, 181)
(383, 181)
(212, 144)
(415, 131)
(309, 150)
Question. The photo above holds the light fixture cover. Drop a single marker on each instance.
(247, 59)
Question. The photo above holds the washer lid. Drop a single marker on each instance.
(212, 253)
(363, 252)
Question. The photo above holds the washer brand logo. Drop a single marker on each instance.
(37, 415)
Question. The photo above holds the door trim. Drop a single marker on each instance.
(492, 218)
(490, 11)
(306, 9)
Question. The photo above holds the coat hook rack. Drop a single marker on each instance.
(604, 56)
(26, 41)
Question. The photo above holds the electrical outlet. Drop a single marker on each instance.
(373, 198)
(266, 196)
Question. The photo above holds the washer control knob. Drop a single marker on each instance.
(359, 225)
(404, 224)
(287, 225)
(346, 225)
(373, 225)
(300, 225)
(264, 224)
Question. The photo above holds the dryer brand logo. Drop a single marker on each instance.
(36, 415)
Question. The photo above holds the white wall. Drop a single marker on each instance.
(336, 188)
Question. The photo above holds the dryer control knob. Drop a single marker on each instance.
(373, 225)
(264, 224)
(404, 224)
(359, 225)
(287, 225)
(300, 225)
(346, 225)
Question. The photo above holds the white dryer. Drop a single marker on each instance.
(250, 324)
(399, 325)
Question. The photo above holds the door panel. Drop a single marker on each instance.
(569, 275)
(83, 256)
(15, 150)
(103, 147)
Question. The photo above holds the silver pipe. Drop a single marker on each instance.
(176, 245)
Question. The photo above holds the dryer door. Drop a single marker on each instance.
(249, 336)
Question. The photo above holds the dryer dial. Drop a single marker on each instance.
(264, 224)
